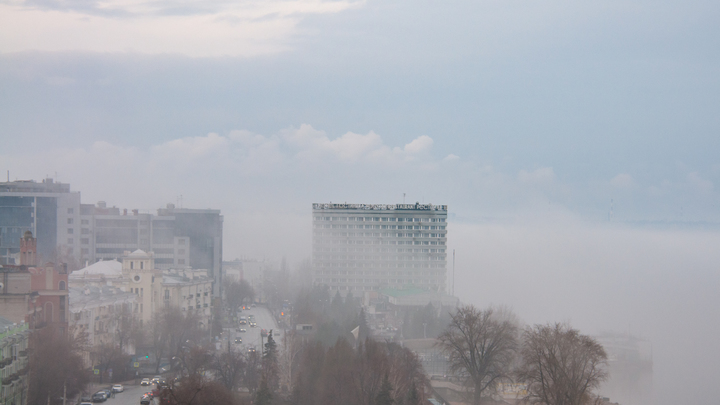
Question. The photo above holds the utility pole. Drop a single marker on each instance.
(64, 392)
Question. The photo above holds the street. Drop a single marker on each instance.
(252, 337)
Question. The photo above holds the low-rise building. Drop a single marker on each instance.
(14, 339)
(98, 311)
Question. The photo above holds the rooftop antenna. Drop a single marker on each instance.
(403, 198)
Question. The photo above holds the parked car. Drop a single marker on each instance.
(100, 396)
(118, 388)
(145, 381)
(238, 340)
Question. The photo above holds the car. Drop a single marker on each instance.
(145, 400)
(145, 381)
(251, 350)
(100, 396)
(118, 388)
(238, 340)
(242, 330)
(85, 402)
(253, 305)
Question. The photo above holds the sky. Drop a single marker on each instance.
(582, 135)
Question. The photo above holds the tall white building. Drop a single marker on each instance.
(361, 247)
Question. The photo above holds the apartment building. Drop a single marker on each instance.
(366, 247)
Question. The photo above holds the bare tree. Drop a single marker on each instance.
(55, 361)
(228, 367)
(481, 345)
(561, 366)
(238, 293)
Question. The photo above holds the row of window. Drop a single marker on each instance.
(379, 219)
(375, 281)
(379, 250)
(379, 234)
(336, 241)
(416, 227)
(379, 258)
(381, 273)
(382, 265)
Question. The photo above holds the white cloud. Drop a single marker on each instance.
(451, 158)
(195, 28)
(543, 175)
(622, 181)
(700, 184)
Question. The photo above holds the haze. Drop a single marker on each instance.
(575, 144)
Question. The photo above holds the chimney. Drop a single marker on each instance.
(135, 212)
(28, 250)
(125, 211)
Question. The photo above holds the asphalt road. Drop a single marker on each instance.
(252, 338)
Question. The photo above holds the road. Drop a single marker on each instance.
(252, 338)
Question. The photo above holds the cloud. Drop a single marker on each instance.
(195, 28)
(451, 158)
(622, 181)
(543, 175)
(698, 183)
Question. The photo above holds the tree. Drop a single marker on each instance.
(560, 366)
(481, 346)
(55, 361)
(263, 396)
(384, 397)
(237, 293)
(228, 367)
(271, 370)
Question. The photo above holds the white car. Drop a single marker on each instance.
(145, 381)
(118, 388)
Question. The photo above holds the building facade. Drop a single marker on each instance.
(47, 209)
(80, 234)
(365, 247)
(34, 294)
(14, 339)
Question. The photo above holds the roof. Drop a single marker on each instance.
(139, 254)
(105, 268)
(93, 297)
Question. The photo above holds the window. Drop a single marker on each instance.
(181, 261)
(84, 222)
(71, 231)
(85, 251)
(85, 241)
(141, 291)
(85, 231)
(70, 220)
(142, 265)
(70, 211)
(70, 241)
(167, 295)
(181, 241)
(181, 251)
(132, 265)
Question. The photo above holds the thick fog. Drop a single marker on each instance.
(575, 144)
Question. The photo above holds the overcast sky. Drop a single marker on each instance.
(526, 117)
